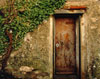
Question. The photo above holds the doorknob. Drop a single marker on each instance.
(57, 45)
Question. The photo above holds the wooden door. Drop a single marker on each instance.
(65, 46)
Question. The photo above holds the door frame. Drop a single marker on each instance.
(78, 42)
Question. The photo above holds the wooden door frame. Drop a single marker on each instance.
(78, 41)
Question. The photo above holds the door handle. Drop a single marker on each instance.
(57, 45)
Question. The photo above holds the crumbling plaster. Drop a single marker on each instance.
(42, 45)
(37, 48)
(90, 41)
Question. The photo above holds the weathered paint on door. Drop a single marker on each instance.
(65, 55)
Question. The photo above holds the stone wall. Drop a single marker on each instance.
(35, 54)
(90, 33)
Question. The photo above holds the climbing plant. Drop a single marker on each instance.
(26, 15)
(19, 17)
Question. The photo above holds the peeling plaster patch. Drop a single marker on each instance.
(27, 38)
(94, 19)
(31, 45)
(14, 53)
(93, 27)
(99, 55)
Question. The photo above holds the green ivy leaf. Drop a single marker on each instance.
(29, 15)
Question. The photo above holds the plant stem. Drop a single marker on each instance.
(9, 50)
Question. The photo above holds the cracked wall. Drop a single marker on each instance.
(36, 51)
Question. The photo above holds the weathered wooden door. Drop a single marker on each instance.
(65, 45)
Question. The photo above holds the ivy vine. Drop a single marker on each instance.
(23, 16)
